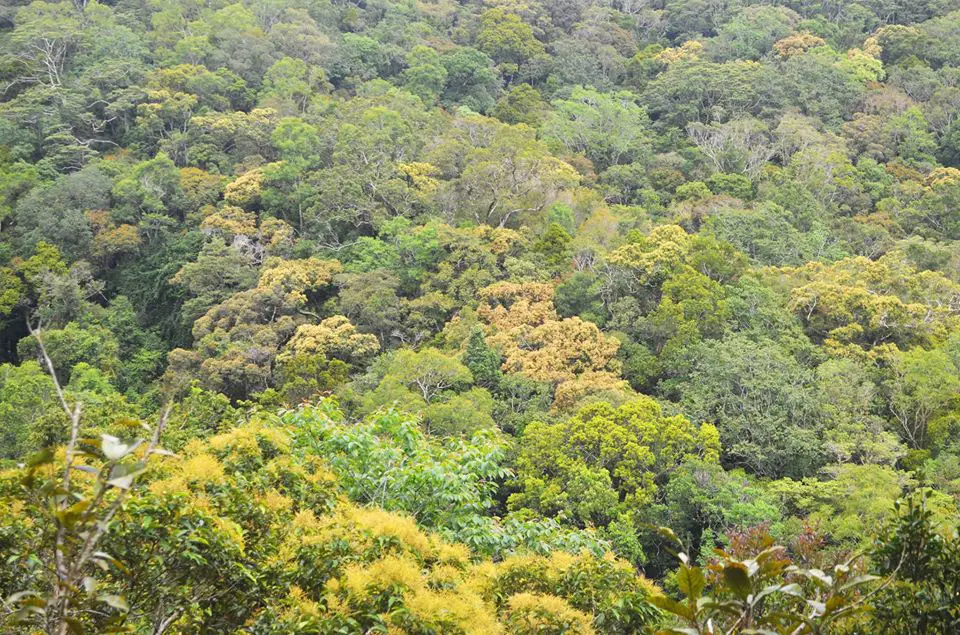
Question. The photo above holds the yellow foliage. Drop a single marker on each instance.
(231, 221)
(306, 520)
(275, 501)
(571, 391)
(116, 240)
(506, 305)
(249, 442)
(688, 51)
(863, 301)
(798, 44)
(659, 253)
(560, 350)
(446, 576)
(535, 613)
(422, 175)
(333, 337)
(942, 176)
(245, 190)
(449, 611)
(276, 234)
(431, 585)
(199, 185)
(300, 605)
(380, 524)
(231, 531)
(871, 46)
(202, 469)
(450, 553)
(392, 571)
(296, 277)
(500, 240)
(169, 487)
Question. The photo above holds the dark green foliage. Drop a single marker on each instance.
(570, 267)
(483, 362)
(924, 559)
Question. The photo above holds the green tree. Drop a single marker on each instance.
(482, 361)
(922, 386)
(609, 129)
(425, 74)
(506, 38)
(605, 463)
(219, 271)
(762, 401)
(471, 80)
(428, 372)
(924, 564)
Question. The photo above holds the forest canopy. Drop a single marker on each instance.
(481, 316)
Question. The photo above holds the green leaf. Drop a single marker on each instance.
(74, 625)
(691, 581)
(672, 606)
(737, 578)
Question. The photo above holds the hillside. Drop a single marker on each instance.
(480, 316)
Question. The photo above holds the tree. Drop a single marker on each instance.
(753, 32)
(152, 187)
(922, 385)
(371, 302)
(703, 503)
(288, 85)
(335, 337)
(867, 303)
(523, 104)
(27, 396)
(559, 350)
(425, 74)
(471, 80)
(604, 464)
(483, 362)
(508, 180)
(429, 372)
(737, 146)
(610, 129)
(929, 214)
(843, 501)
(822, 84)
(923, 563)
(77, 513)
(219, 271)
(506, 38)
(758, 593)
(72, 345)
(509, 305)
(762, 401)
(855, 432)
(236, 342)
(690, 91)
(446, 485)
(55, 213)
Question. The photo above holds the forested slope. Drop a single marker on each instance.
(436, 311)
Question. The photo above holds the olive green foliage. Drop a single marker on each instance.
(424, 287)
(925, 559)
(250, 526)
(764, 592)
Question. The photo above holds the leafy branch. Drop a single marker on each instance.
(80, 501)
